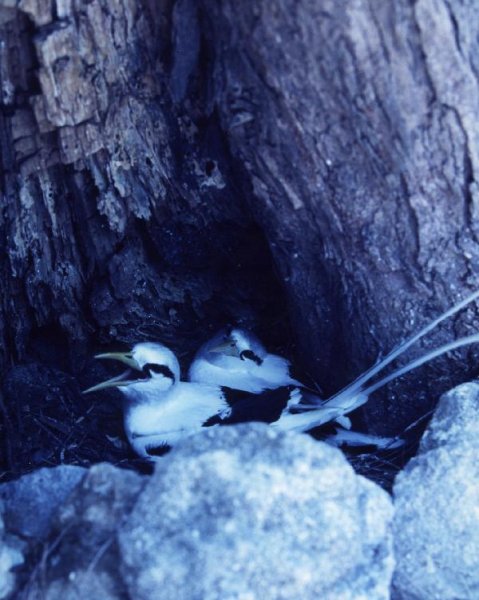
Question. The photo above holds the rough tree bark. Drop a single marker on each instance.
(361, 143)
(168, 167)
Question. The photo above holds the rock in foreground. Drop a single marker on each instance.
(242, 513)
(456, 419)
(32, 501)
(436, 524)
(11, 555)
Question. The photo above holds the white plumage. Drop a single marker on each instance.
(237, 359)
(170, 415)
(159, 408)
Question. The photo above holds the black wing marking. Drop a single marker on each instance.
(266, 407)
(233, 396)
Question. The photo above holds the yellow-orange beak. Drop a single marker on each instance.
(120, 380)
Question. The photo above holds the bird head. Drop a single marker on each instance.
(148, 363)
(240, 344)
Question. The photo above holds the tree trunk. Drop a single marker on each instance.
(169, 167)
(360, 140)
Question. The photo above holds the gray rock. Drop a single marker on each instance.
(95, 510)
(78, 586)
(84, 560)
(243, 513)
(456, 418)
(81, 585)
(11, 555)
(32, 501)
(436, 523)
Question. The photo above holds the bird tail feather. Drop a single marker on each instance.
(402, 347)
(349, 399)
(358, 385)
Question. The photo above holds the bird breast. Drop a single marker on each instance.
(185, 408)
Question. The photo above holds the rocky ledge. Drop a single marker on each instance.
(244, 513)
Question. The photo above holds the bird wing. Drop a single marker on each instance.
(234, 373)
(266, 407)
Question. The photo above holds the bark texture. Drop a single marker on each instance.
(171, 166)
(121, 216)
(360, 137)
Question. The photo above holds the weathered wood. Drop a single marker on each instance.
(356, 122)
(122, 218)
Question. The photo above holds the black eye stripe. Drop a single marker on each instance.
(150, 368)
(250, 355)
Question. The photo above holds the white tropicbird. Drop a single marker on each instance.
(235, 358)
